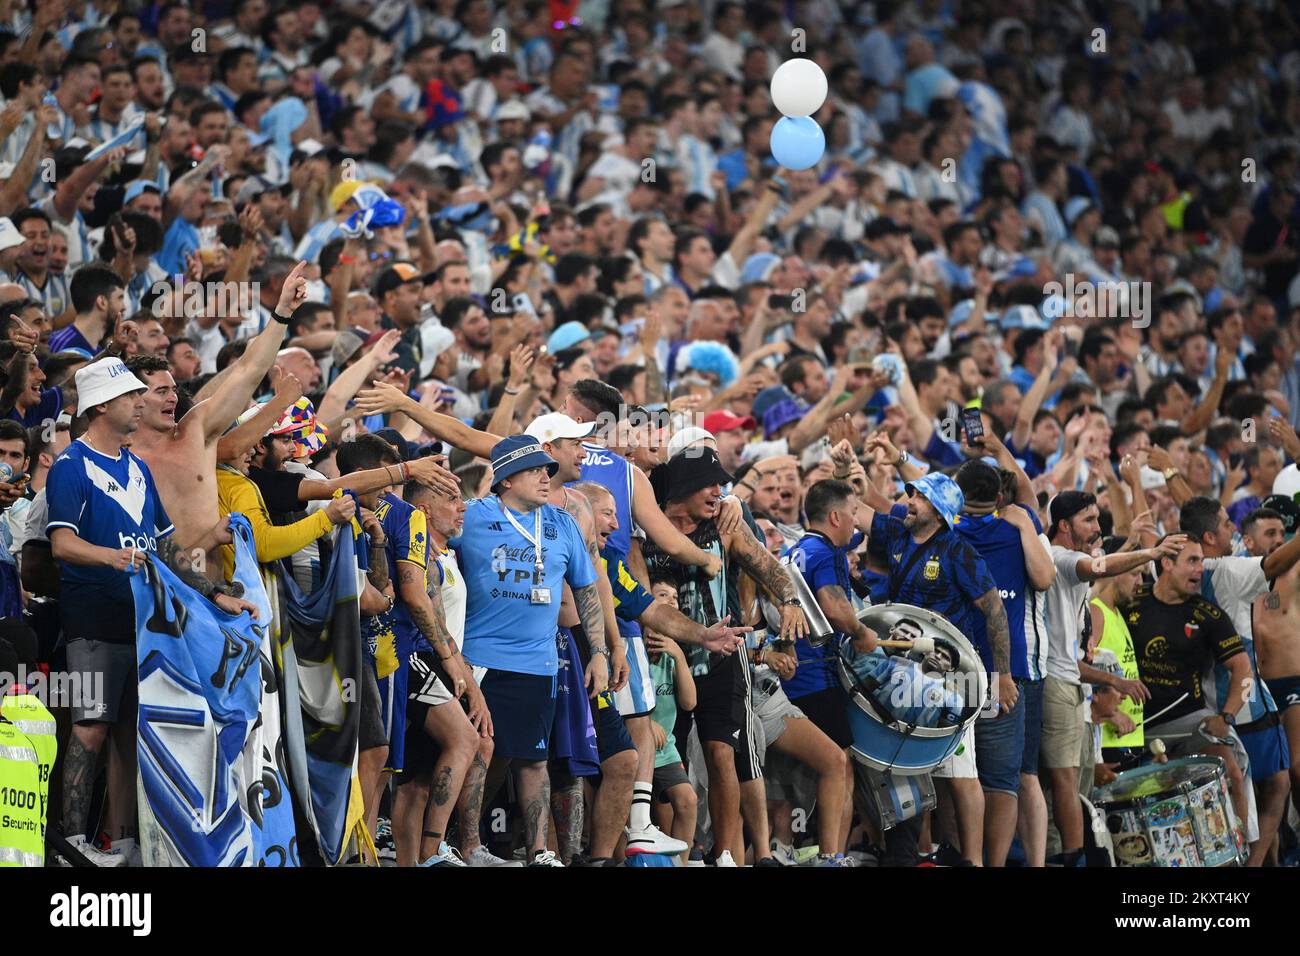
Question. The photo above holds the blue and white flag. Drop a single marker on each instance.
(320, 666)
(124, 138)
(988, 134)
(213, 789)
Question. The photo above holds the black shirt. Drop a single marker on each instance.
(1175, 644)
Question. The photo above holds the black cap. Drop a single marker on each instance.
(1287, 508)
(399, 273)
(687, 473)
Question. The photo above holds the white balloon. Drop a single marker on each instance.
(799, 87)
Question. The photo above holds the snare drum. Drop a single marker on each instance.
(1173, 814)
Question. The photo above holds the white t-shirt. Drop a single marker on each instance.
(453, 593)
(1066, 604)
(1235, 583)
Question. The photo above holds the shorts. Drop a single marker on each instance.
(1063, 724)
(425, 690)
(772, 709)
(999, 744)
(371, 730)
(1285, 691)
(1031, 692)
(115, 664)
(392, 709)
(962, 765)
(665, 778)
(523, 711)
(723, 713)
(612, 737)
(1266, 742)
(829, 710)
(637, 697)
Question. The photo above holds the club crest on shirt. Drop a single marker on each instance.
(550, 532)
(1189, 630)
(931, 570)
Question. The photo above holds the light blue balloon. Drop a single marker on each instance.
(797, 142)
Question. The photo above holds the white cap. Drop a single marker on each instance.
(547, 428)
(688, 436)
(103, 381)
(436, 338)
(513, 110)
(9, 234)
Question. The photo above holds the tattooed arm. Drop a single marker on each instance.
(478, 709)
(411, 591)
(837, 607)
(756, 561)
(577, 504)
(182, 563)
(995, 618)
(593, 623)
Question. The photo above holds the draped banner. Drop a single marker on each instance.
(319, 636)
(212, 785)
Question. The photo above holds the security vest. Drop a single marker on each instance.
(29, 715)
(1115, 638)
(22, 824)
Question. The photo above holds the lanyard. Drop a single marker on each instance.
(535, 539)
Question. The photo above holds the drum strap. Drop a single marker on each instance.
(896, 581)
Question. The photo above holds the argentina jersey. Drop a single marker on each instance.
(53, 295)
(109, 501)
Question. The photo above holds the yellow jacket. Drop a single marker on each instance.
(236, 492)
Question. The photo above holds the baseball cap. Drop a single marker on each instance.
(767, 398)
(724, 421)
(1075, 207)
(513, 110)
(346, 344)
(137, 188)
(399, 273)
(547, 428)
(254, 186)
(9, 234)
(567, 336)
(103, 381)
(1287, 507)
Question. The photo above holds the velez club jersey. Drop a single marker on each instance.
(504, 630)
(107, 501)
(614, 472)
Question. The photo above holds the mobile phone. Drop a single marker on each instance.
(781, 302)
(972, 424)
(1071, 347)
(858, 355)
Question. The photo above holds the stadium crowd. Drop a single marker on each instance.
(513, 295)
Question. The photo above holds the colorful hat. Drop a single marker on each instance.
(299, 425)
(942, 492)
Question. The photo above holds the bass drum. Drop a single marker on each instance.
(909, 711)
(1173, 814)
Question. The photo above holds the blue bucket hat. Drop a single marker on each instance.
(781, 414)
(942, 492)
(567, 336)
(519, 453)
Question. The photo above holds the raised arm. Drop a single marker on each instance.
(233, 396)
(1038, 392)
(233, 444)
(813, 425)
(1199, 418)
(334, 406)
(743, 242)
(383, 397)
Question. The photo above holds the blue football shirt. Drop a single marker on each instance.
(998, 542)
(504, 630)
(822, 563)
(111, 502)
(394, 634)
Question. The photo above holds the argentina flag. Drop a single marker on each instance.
(988, 134)
(212, 785)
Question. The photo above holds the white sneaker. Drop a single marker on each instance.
(724, 859)
(783, 853)
(95, 856)
(129, 847)
(653, 840)
(446, 856)
(482, 856)
(546, 858)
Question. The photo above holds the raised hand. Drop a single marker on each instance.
(381, 398)
(294, 292)
(429, 472)
(521, 367)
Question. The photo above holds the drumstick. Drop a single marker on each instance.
(923, 644)
(1157, 747)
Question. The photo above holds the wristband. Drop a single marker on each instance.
(347, 260)
(406, 471)
(511, 391)
(600, 650)
(903, 459)
(283, 320)
(745, 484)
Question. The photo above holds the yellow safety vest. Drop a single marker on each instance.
(29, 715)
(1115, 637)
(22, 824)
